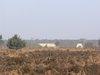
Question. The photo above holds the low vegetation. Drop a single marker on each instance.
(49, 62)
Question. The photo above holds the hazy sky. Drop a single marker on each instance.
(50, 19)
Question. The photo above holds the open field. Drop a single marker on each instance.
(50, 61)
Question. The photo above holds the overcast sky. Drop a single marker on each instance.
(50, 19)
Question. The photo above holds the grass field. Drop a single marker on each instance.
(50, 61)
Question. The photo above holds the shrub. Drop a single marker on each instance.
(16, 43)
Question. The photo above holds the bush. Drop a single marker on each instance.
(16, 43)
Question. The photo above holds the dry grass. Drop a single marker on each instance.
(50, 61)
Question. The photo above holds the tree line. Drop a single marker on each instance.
(16, 42)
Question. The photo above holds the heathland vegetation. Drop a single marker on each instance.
(50, 62)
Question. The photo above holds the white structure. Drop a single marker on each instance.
(79, 45)
(49, 45)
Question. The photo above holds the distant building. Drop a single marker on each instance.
(48, 45)
(79, 45)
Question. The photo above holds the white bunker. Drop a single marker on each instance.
(49, 45)
(79, 45)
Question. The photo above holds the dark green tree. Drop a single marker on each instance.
(16, 43)
(0, 37)
(1, 42)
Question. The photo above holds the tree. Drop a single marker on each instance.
(16, 43)
(1, 41)
(0, 37)
(57, 43)
(99, 42)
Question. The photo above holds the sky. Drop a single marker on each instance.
(50, 19)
